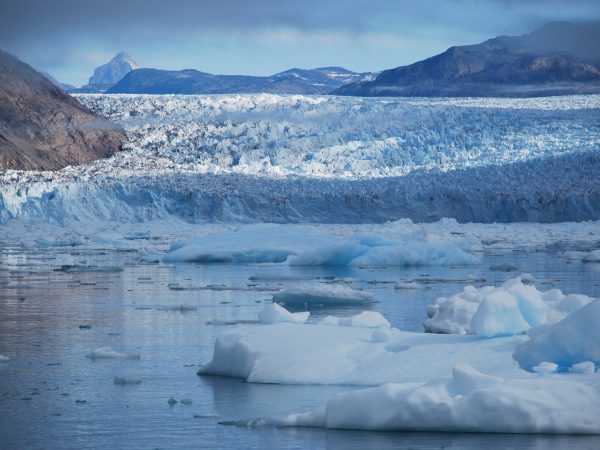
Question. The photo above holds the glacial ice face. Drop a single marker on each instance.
(269, 158)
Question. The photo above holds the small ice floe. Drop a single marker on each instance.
(186, 401)
(4, 358)
(274, 313)
(126, 381)
(109, 353)
(585, 368)
(592, 257)
(323, 294)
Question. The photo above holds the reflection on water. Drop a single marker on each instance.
(51, 396)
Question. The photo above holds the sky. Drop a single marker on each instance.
(69, 38)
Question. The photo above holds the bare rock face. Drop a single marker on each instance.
(42, 127)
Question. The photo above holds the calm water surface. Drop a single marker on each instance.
(52, 396)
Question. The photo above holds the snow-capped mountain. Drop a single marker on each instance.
(559, 58)
(273, 158)
(110, 73)
(293, 81)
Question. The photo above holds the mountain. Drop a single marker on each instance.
(63, 86)
(189, 81)
(559, 58)
(108, 74)
(42, 127)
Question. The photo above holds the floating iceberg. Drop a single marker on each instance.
(300, 247)
(109, 353)
(469, 401)
(512, 308)
(4, 358)
(574, 340)
(322, 294)
(293, 353)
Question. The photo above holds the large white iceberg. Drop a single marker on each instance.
(469, 401)
(512, 308)
(266, 243)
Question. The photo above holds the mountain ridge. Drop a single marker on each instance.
(555, 59)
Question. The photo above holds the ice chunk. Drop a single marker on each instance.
(4, 358)
(322, 294)
(469, 401)
(512, 308)
(545, 368)
(573, 340)
(109, 353)
(274, 313)
(586, 368)
(593, 256)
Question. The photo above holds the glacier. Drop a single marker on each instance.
(277, 158)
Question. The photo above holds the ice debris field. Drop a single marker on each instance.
(273, 158)
(535, 378)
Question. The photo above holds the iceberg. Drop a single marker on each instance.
(574, 340)
(323, 295)
(512, 308)
(468, 401)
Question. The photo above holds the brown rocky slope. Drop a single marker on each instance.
(42, 127)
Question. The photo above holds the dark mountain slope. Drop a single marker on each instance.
(559, 58)
(42, 127)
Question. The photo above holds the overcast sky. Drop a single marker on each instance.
(68, 38)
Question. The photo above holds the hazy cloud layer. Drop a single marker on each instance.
(69, 38)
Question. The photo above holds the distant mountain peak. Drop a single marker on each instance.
(113, 71)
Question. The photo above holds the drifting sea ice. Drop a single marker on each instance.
(4, 358)
(404, 367)
(511, 308)
(110, 353)
(353, 353)
(468, 401)
(322, 294)
(266, 243)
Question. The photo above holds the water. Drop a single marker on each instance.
(51, 396)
